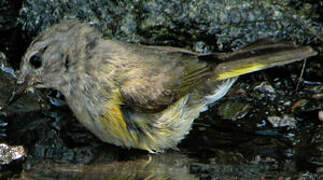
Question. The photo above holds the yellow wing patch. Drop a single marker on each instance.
(240, 70)
(115, 122)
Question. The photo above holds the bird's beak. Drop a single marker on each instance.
(19, 90)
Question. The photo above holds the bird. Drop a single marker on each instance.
(139, 96)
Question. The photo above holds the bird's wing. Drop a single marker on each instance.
(156, 77)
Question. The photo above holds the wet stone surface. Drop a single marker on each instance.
(263, 128)
(10, 153)
(204, 25)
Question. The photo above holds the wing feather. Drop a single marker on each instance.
(160, 76)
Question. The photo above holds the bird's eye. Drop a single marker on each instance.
(36, 60)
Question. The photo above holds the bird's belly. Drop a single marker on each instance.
(166, 129)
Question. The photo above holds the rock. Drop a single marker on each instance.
(284, 121)
(233, 110)
(320, 115)
(10, 153)
(214, 25)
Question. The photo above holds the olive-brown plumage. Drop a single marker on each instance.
(139, 96)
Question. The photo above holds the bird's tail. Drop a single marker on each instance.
(259, 56)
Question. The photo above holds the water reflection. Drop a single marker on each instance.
(171, 165)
